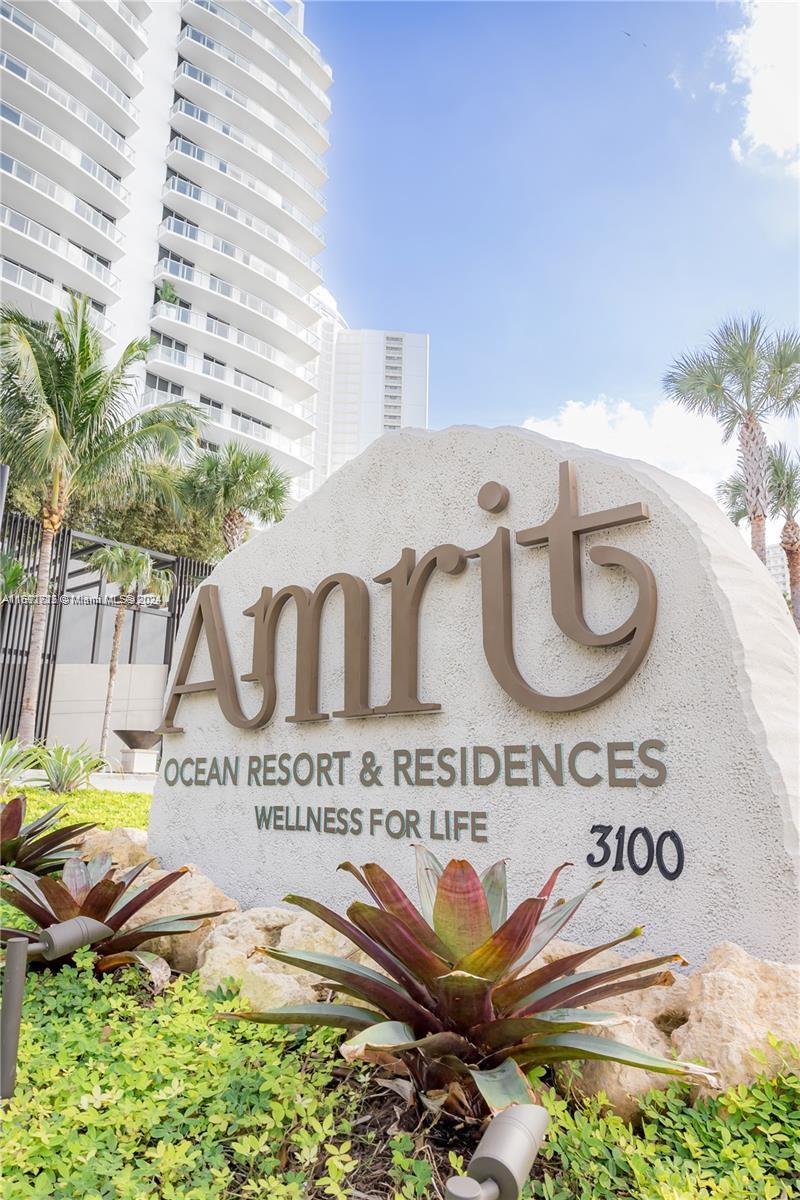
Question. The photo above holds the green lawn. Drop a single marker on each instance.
(108, 809)
(123, 1095)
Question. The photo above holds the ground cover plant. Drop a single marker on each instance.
(461, 1012)
(123, 1095)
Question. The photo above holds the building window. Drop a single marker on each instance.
(158, 384)
(214, 407)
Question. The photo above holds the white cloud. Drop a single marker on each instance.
(719, 89)
(764, 57)
(665, 435)
(736, 150)
(675, 79)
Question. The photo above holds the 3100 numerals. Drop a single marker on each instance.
(639, 850)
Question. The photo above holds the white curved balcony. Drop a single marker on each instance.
(292, 455)
(266, 18)
(44, 150)
(242, 309)
(121, 23)
(245, 269)
(286, 106)
(31, 41)
(224, 138)
(27, 241)
(45, 201)
(242, 36)
(31, 92)
(230, 221)
(78, 27)
(234, 347)
(227, 180)
(39, 298)
(230, 386)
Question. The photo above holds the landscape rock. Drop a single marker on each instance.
(734, 1002)
(127, 847)
(622, 1085)
(193, 892)
(234, 949)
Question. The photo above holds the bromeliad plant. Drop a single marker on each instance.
(92, 890)
(37, 847)
(458, 1010)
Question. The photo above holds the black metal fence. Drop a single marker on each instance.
(78, 621)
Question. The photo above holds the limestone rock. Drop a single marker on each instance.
(735, 1001)
(127, 847)
(622, 1085)
(192, 893)
(234, 950)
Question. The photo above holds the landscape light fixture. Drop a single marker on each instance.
(502, 1162)
(53, 942)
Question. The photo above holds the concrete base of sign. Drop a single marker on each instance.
(678, 788)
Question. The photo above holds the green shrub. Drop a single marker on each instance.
(67, 768)
(125, 1096)
(105, 808)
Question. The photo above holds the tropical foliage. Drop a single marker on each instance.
(745, 376)
(156, 1100)
(16, 763)
(94, 889)
(134, 574)
(70, 429)
(37, 847)
(14, 579)
(235, 485)
(459, 1011)
(66, 768)
(783, 484)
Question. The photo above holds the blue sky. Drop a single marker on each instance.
(555, 202)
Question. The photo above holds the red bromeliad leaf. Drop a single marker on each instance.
(163, 927)
(495, 885)
(6, 934)
(503, 1086)
(11, 817)
(64, 839)
(503, 947)
(23, 902)
(118, 919)
(621, 986)
(551, 883)
(561, 992)
(392, 897)
(509, 996)
(505, 1034)
(365, 984)
(429, 870)
(549, 926)
(465, 1000)
(353, 870)
(100, 899)
(75, 878)
(398, 939)
(158, 968)
(359, 938)
(461, 915)
(337, 1016)
(566, 1046)
(59, 898)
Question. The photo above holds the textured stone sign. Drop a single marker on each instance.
(497, 645)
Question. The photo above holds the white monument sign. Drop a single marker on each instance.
(497, 645)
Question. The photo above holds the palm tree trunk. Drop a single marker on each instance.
(794, 584)
(233, 528)
(119, 621)
(754, 456)
(33, 671)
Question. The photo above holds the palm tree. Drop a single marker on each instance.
(133, 572)
(784, 478)
(234, 484)
(744, 377)
(69, 430)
